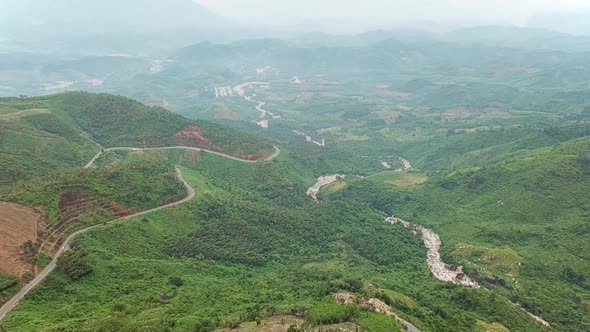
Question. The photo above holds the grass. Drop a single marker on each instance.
(500, 261)
(400, 179)
(334, 187)
(22, 113)
(224, 112)
(401, 298)
(491, 327)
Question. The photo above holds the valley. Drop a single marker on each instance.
(375, 182)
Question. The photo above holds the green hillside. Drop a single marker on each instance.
(252, 248)
(45, 134)
(533, 205)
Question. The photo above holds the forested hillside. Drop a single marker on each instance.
(256, 247)
(45, 134)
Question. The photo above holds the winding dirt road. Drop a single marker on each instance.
(276, 152)
(15, 300)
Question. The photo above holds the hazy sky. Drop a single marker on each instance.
(515, 11)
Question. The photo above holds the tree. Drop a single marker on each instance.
(73, 263)
(30, 249)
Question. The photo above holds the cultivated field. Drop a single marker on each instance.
(18, 224)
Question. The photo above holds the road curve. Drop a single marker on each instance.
(276, 152)
(14, 301)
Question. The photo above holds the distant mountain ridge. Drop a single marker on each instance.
(576, 23)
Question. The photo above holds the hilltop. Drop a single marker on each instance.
(46, 134)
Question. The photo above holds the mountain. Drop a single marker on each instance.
(576, 23)
(517, 37)
(528, 66)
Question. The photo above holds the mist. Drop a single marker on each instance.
(392, 12)
(69, 17)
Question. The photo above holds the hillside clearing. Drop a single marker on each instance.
(493, 327)
(504, 260)
(282, 323)
(403, 180)
(23, 113)
(18, 224)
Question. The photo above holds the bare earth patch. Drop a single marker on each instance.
(493, 327)
(281, 323)
(504, 72)
(461, 112)
(18, 224)
(395, 94)
(400, 179)
(278, 323)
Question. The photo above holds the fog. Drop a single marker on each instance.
(328, 14)
(390, 11)
(222, 20)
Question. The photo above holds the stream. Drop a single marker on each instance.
(443, 271)
(309, 138)
(264, 114)
(439, 269)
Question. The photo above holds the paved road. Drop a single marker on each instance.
(8, 306)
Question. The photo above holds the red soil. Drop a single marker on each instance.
(191, 136)
(246, 156)
(120, 211)
(18, 224)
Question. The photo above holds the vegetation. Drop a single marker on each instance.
(329, 312)
(73, 263)
(500, 149)
(8, 286)
(62, 132)
(332, 254)
(133, 185)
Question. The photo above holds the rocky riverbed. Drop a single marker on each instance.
(439, 269)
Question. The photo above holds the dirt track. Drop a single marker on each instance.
(276, 152)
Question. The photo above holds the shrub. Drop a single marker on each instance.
(330, 312)
(176, 281)
(73, 263)
(119, 307)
